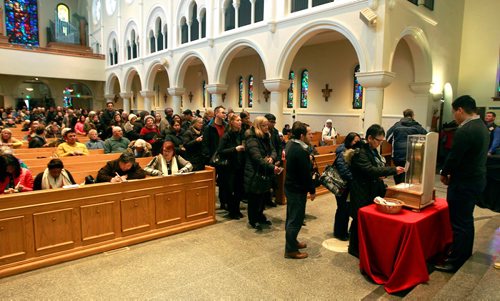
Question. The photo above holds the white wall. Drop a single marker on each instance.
(480, 52)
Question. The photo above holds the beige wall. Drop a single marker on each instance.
(480, 52)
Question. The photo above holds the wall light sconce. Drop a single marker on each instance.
(190, 95)
(266, 94)
(165, 97)
(223, 97)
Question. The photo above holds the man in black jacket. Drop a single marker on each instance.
(298, 183)
(398, 136)
(276, 142)
(464, 172)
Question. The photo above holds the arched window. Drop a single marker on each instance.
(357, 99)
(63, 12)
(165, 36)
(259, 10)
(299, 5)
(304, 88)
(111, 61)
(320, 2)
(115, 51)
(289, 100)
(203, 17)
(21, 22)
(134, 45)
(152, 42)
(184, 31)
(250, 91)
(229, 15)
(240, 92)
(244, 13)
(159, 35)
(195, 25)
(129, 51)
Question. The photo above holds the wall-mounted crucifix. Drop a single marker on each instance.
(190, 96)
(326, 92)
(266, 94)
(223, 97)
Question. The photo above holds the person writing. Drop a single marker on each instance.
(54, 176)
(120, 170)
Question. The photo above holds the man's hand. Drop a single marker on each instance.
(445, 179)
(400, 170)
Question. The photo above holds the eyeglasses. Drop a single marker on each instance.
(379, 140)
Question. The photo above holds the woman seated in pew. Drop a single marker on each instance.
(120, 170)
(168, 163)
(13, 177)
(7, 139)
(140, 148)
(94, 141)
(54, 176)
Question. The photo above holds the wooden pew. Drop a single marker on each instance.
(386, 152)
(326, 149)
(43, 228)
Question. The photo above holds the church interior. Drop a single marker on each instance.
(356, 62)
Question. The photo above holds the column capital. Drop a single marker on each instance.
(216, 88)
(176, 91)
(375, 79)
(276, 85)
(109, 97)
(147, 94)
(126, 94)
(421, 88)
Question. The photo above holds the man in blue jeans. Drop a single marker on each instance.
(298, 182)
(464, 172)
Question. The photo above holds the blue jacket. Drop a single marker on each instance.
(398, 136)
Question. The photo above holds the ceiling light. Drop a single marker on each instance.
(29, 89)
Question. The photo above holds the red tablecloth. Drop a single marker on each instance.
(393, 248)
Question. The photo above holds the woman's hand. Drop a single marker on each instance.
(240, 148)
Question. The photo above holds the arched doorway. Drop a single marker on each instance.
(33, 93)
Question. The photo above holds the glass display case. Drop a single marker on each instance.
(417, 191)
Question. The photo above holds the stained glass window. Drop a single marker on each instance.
(289, 100)
(195, 24)
(240, 94)
(229, 16)
(67, 99)
(304, 88)
(357, 99)
(21, 20)
(250, 91)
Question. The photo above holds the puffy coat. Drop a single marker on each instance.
(256, 150)
(398, 136)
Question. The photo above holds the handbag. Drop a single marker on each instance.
(332, 180)
(217, 161)
(260, 182)
(315, 174)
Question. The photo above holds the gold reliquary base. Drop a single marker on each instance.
(412, 199)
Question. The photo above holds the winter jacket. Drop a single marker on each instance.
(398, 136)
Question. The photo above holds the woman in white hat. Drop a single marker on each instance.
(329, 134)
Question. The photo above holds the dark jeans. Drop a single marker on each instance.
(461, 199)
(341, 221)
(401, 177)
(295, 213)
(256, 205)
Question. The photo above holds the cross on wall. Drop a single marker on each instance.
(326, 92)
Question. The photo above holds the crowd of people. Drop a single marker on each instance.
(249, 156)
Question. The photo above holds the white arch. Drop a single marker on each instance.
(157, 11)
(131, 25)
(230, 52)
(182, 66)
(420, 51)
(128, 78)
(152, 71)
(112, 36)
(108, 89)
(305, 33)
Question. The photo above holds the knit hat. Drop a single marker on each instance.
(147, 117)
(140, 143)
(131, 116)
(329, 121)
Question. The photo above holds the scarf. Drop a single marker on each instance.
(48, 182)
(164, 166)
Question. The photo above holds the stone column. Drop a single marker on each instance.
(217, 90)
(147, 95)
(177, 97)
(278, 88)
(374, 83)
(126, 96)
(423, 103)
(3, 37)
